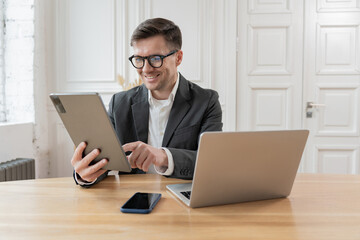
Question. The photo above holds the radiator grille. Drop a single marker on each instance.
(17, 169)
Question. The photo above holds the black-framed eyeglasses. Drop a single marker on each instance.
(155, 61)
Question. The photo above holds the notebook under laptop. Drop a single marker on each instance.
(234, 167)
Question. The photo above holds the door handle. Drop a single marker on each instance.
(312, 105)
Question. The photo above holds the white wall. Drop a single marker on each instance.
(44, 79)
(217, 41)
(16, 141)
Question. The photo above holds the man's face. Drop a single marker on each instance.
(159, 81)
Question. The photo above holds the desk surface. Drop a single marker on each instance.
(319, 207)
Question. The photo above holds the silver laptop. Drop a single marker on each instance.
(234, 167)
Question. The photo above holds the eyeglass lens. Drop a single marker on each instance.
(154, 61)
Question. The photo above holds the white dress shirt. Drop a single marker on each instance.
(159, 111)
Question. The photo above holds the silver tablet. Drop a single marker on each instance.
(86, 120)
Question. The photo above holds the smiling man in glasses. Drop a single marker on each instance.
(159, 122)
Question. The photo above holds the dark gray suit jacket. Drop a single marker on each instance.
(195, 110)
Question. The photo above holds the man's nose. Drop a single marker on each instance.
(147, 67)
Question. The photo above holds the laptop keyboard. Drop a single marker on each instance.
(186, 194)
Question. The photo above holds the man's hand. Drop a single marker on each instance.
(143, 155)
(81, 165)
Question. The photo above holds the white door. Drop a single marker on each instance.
(299, 67)
(331, 89)
(270, 47)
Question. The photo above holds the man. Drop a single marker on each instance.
(159, 122)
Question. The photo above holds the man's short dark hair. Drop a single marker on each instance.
(158, 26)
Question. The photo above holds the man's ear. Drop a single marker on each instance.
(179, 57)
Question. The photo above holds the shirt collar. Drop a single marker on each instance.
(171, 97)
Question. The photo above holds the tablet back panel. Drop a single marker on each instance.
(85, 119)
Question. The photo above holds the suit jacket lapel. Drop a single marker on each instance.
(178, 111)
(140, 110)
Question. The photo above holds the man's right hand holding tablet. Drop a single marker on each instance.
(87, 173)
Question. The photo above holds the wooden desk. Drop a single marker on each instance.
(319, 207)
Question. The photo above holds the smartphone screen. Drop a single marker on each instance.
(141, 203)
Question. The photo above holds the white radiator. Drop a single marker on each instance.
(17, 169)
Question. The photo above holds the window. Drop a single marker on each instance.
(16, 60)
(2, 77)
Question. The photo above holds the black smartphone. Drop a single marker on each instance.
(141, 203)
